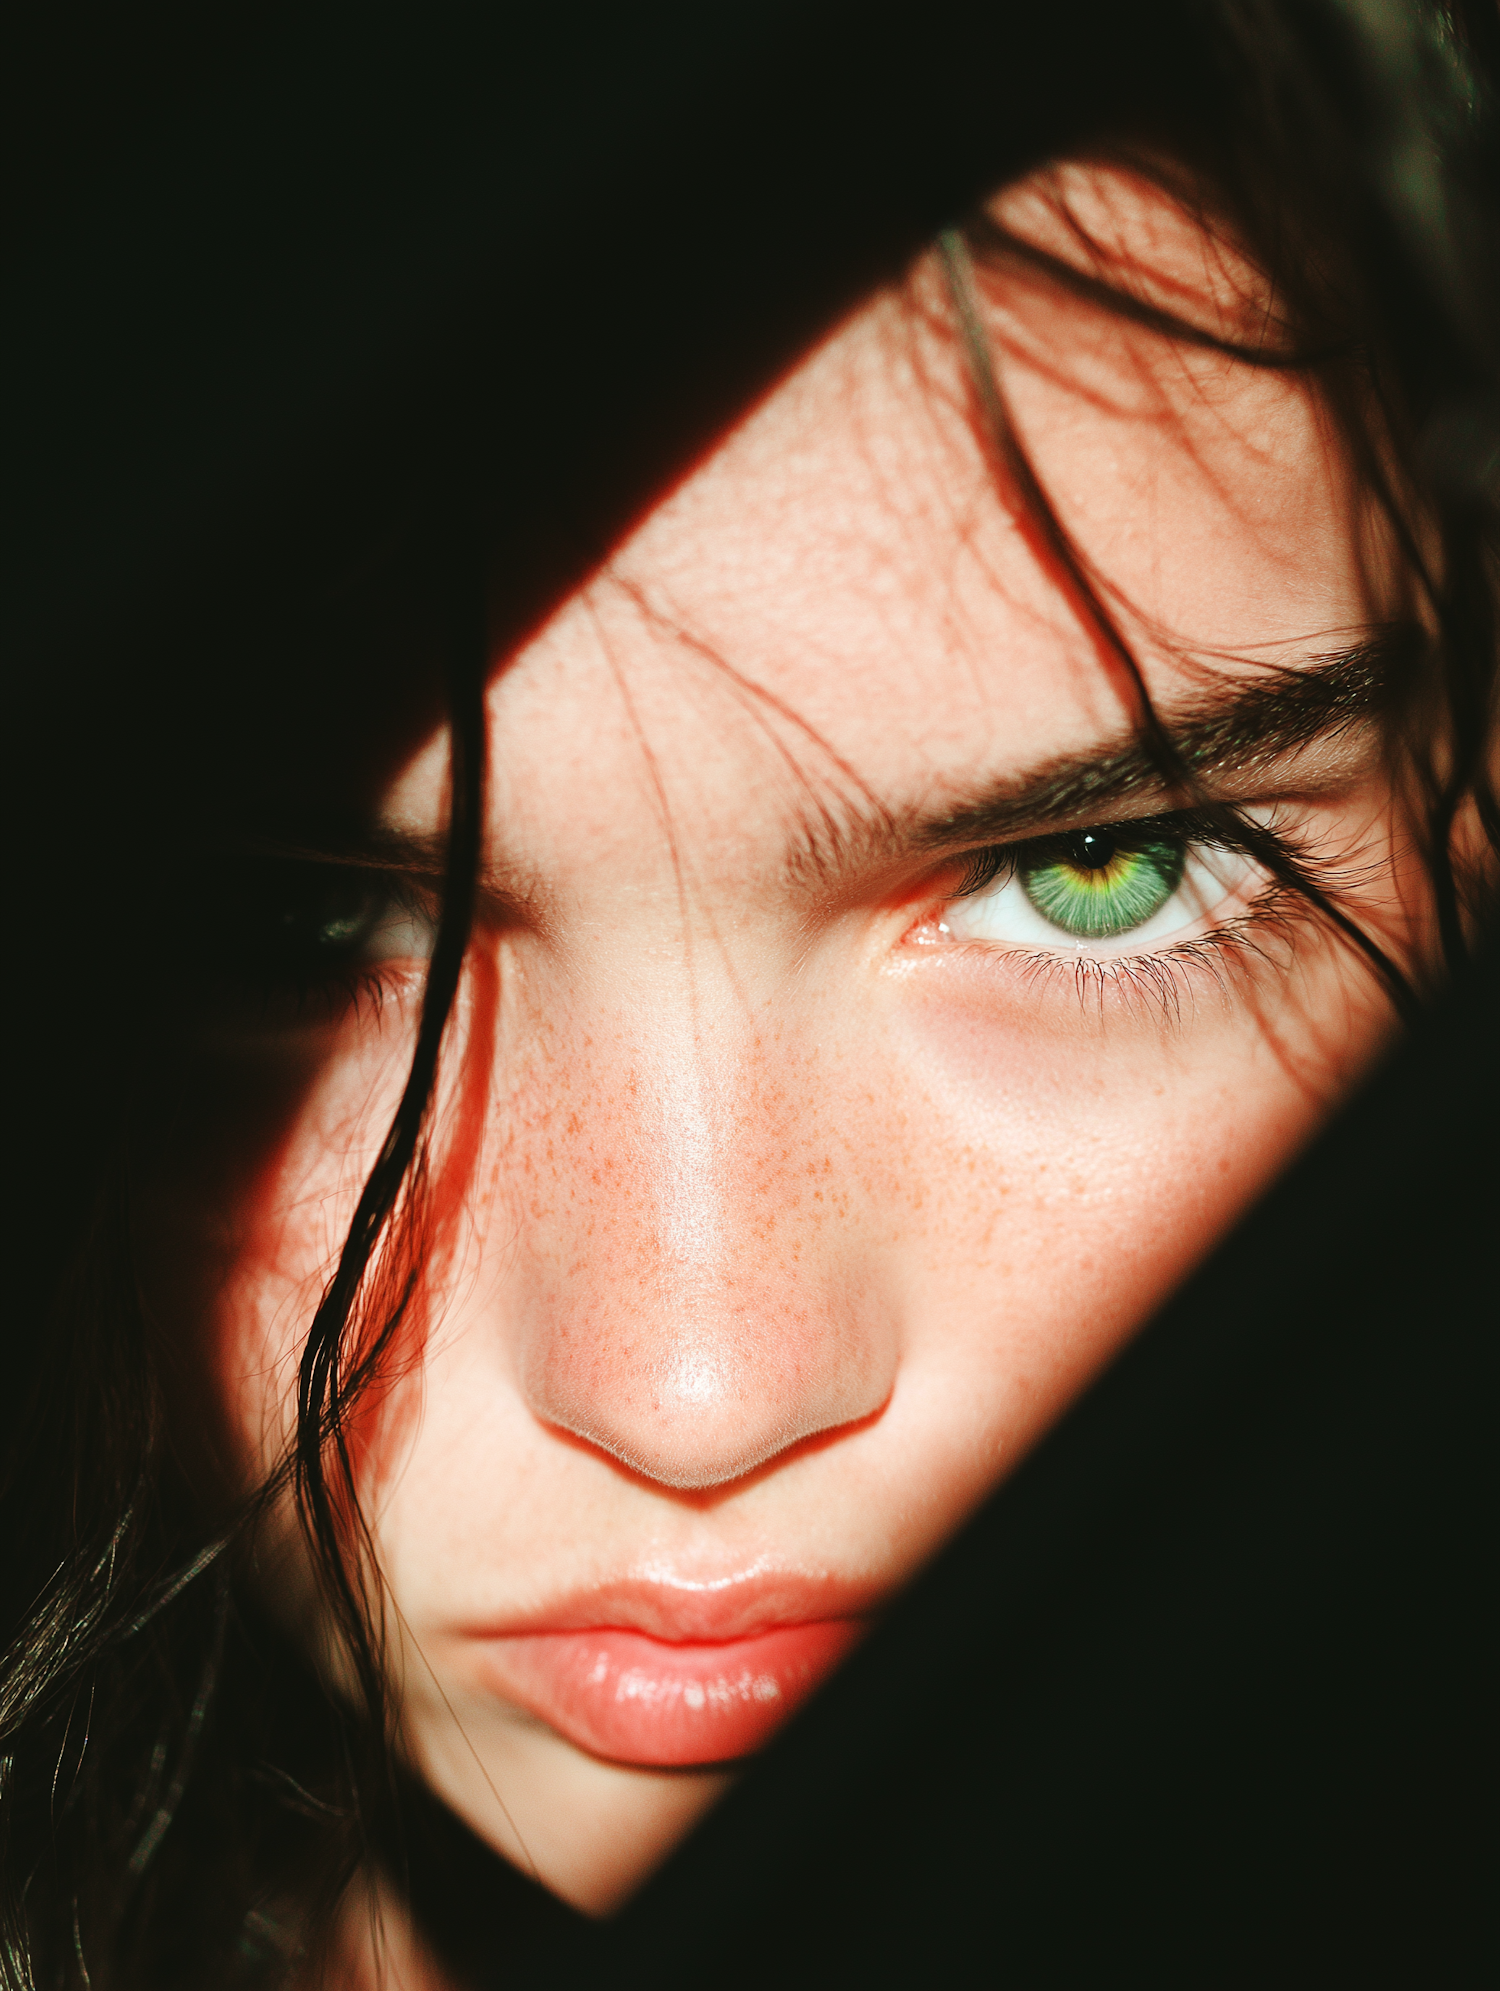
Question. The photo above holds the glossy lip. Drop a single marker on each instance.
(669, 1674)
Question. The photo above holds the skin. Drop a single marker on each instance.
(778, 1208)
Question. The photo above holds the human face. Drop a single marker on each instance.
(782, 1194)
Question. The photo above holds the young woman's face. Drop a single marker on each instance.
(783, 1191)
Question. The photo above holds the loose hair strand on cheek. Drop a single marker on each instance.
(370, 1296)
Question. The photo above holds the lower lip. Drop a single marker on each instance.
(634, 1699)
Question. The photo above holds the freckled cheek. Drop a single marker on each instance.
(1072, 1163)
(566, 1168)
(953, 1134)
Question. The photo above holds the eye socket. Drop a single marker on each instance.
(291, 928)
(1136, 882)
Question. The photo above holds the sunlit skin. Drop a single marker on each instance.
(781, 1201)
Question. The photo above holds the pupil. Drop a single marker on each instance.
(1091, 850)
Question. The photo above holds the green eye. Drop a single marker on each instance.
(1096, 885)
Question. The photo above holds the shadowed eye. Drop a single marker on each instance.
(296, 927)
(350, 916)
(1137, 882)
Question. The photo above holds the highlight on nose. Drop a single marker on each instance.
(699, 1401)
(673, 1304)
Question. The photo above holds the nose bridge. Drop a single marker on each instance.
(690, 1142)
(693, 1305)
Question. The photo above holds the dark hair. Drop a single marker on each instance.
(184, 1802)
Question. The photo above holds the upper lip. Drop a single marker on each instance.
(680, 1612)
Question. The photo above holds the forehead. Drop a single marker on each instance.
(844, 583)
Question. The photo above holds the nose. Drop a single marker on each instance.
(697, 1296)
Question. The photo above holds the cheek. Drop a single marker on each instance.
(1076, 1169)
(242, 1223)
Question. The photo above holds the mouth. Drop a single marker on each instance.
(646, 1698)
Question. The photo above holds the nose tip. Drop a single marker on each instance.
(701, 1403)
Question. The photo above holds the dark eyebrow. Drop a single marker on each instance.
(1238, 734)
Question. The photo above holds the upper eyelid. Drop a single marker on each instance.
(1190, 824)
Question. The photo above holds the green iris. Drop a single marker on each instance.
(1096, 884)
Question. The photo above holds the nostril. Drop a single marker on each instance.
(693, 1462)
